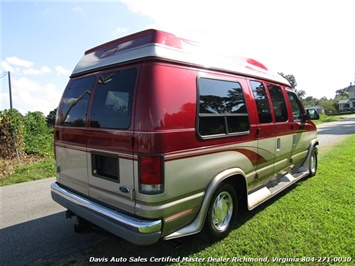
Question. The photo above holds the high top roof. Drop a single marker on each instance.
(160, 44)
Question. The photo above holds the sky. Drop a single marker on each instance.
(42, 41)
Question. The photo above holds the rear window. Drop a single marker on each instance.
(112, 103)
(76, 101)
(222, 108)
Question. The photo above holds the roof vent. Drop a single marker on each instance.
(108, 52)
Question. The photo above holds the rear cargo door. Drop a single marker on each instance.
(110, 133)
(71, 134)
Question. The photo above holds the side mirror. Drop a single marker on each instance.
(312, 114)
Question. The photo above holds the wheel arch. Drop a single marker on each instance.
(239, 183)
(312, 146)
(237, 178)
(234, 176)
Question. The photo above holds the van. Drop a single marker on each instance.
(157, 138)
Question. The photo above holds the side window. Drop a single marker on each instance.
(112, 101)
(262, 102)
(222, 108)
(278, 102)
(75, 102)
(297, 109)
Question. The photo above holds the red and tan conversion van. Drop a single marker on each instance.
(158, 138)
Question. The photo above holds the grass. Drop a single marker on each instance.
(13, 171)
(325, 118)
(313, 222)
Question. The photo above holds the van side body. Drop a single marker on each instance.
(154, 139)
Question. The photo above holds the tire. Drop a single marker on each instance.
(313, 162)
(222, 213)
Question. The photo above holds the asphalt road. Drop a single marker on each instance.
(331, 133)
(33, 227)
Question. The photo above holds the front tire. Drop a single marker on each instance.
(313, 162)
(222, 213)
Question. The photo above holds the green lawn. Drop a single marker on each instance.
(313, 222)
(28, 171)
(325, 118)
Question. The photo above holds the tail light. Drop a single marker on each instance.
(151, 174)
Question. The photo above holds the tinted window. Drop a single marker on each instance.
(278, 102)
(75, 102)
(222, 108)
(297, 109)
(112, 101)
(262, 102)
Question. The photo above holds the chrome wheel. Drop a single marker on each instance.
(222, 211)
(313, 162)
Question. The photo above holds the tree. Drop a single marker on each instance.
(51, 118)
(329, 105)
(300, 93)
(341, 94)
(310, 101)
(292, 80)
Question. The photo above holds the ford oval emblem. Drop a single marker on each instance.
(124, 189)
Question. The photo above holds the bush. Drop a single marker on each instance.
(11, 134)
(38, 136)
(20, 135)
(26, 147)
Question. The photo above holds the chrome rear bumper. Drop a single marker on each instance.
(137, 231)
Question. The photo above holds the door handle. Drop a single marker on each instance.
(258, 131)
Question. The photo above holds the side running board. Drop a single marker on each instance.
(263, 194)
